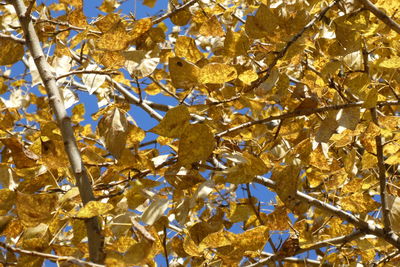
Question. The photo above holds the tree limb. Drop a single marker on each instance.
(381, 15)
(95, 239)
(382, 176)
(301, 112)
(363, 226)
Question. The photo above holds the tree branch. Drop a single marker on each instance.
(302, 112)
(99, 72)
(381, 15)
(365, 227)
(49, 256)
(12, 37)
(95, 239)
(382, 176)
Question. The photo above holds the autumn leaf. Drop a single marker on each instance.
(217, 73)
(113, 129)
(173, 123)
(195, 136)
(93, 209)
(12, 51)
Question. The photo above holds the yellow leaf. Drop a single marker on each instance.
(368, 138)
(371, 98)
(173, 123)
(358, 203)
(212, 27)
(390, 63)
(349, 117)
(7, 200)
(135, 198)
(218, 239)
(34, 209)
(315, 177)
(182, 178)
(155, 211)
(368, 161)
(262, 24)
(149, 3)
(22, 157)
(248, 76)
(252, 240)
(114, 259)
(245, 171)
(181, 18)
(286, 179)
(236, 44)
(183, 74)
(116, 39)
(11, 51)
(77, 113)
(79, 231)
(394, 215)
(93, 209)
(113, 129)
(326, 129)
(317, 159)
(135, 135)
(190, 247)
(217, 73)
(109, 6)
(240, 212)
(140, 27)
(393, 159)
(186, 47)
(196, 143)
(77, 17)
(349, 161)
(138, 252)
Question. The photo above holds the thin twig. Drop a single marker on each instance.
(77, 72)
(49, 256)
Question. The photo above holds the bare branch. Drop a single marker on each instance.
(77, 72)
(49, 256)
(381, 15)
(93, 227)
(307, 262)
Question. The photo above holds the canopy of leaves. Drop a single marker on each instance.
(271, 129)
